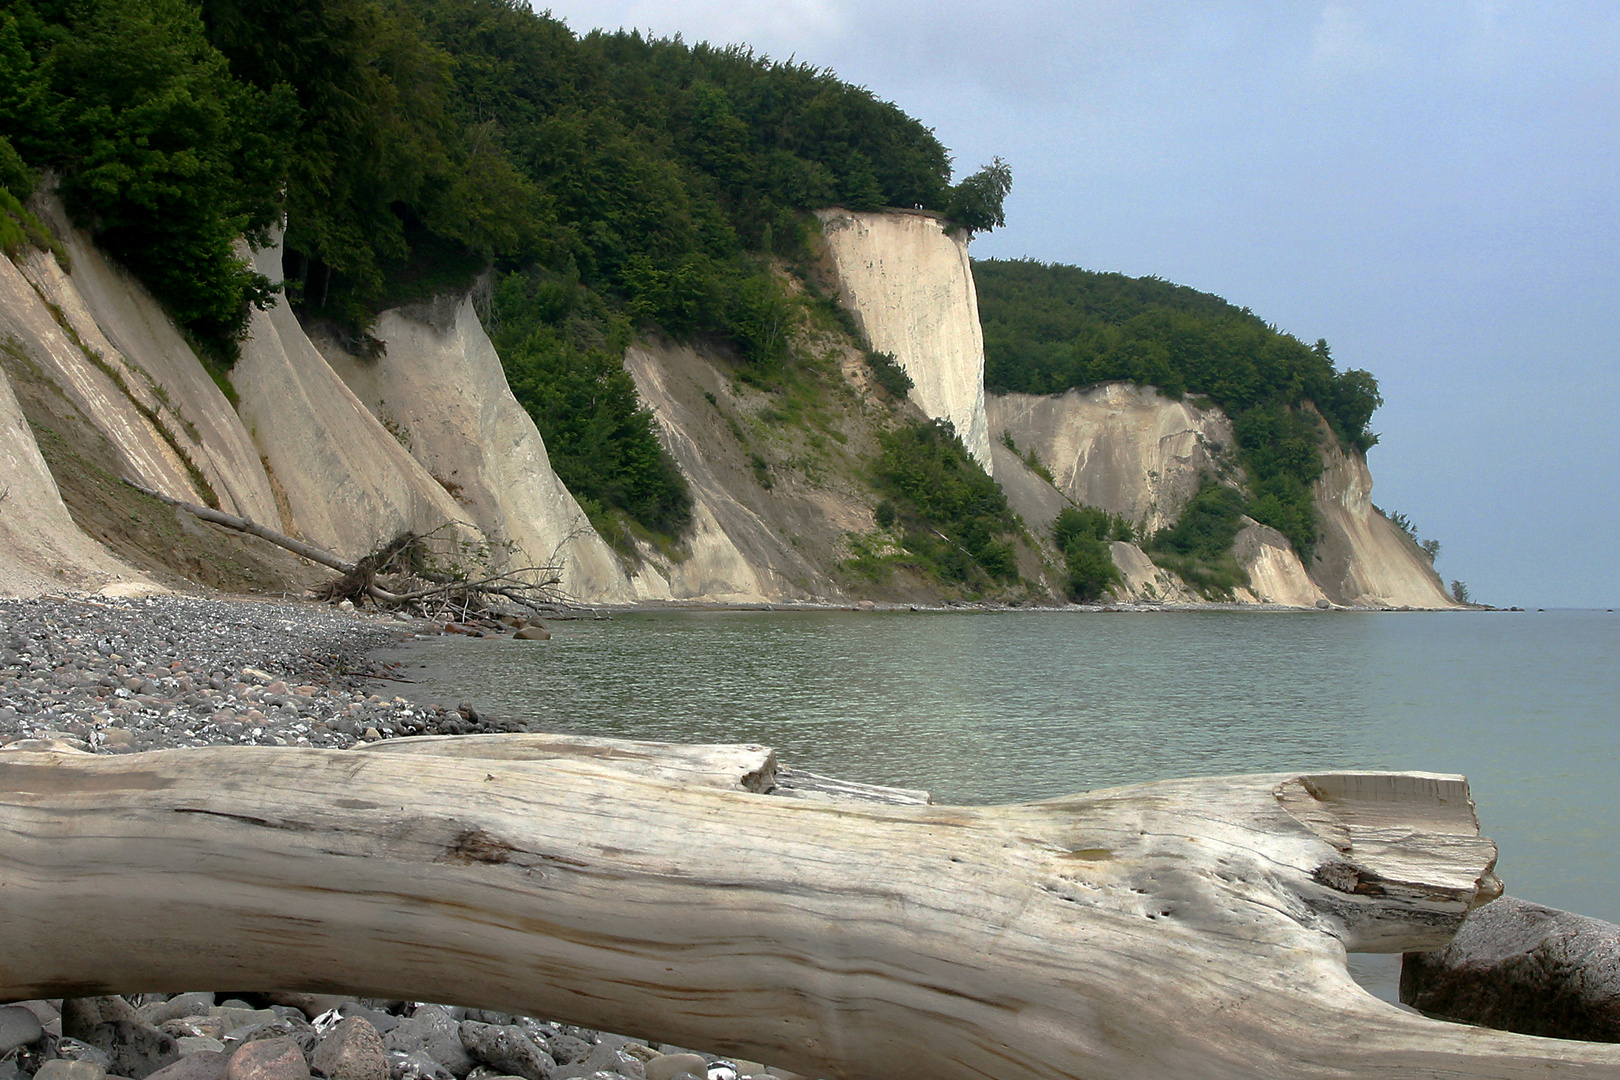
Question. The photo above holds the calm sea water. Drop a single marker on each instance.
(996, 707)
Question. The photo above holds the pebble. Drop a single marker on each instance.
(352, 1051)
(123, 675)
(62, 1069)
(506, 1049)
(18, 1027)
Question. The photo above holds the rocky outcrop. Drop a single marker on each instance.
(440, 390)
(906, 279)
(1518, 966)
(1362, 558)
(349, 485)
(1121, 448)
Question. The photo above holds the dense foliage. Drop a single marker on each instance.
(1199, 545)
(1082, 535)
(1049, 327)
(159, 150)
(953, 517)
(562, 349)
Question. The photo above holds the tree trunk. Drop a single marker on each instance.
(1167, 931)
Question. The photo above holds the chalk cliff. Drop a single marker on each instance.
(908, 283)
(42, 549)
(347, 451)
(304, 453)
(1129, 450)
(1121, 448)
(440, 391)
(1362, 557)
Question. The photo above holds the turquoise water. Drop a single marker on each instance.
(993, 707)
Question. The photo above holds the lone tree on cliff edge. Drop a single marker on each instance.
(975, 203)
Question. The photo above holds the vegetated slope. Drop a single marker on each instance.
(412, 145)
(1048, 328)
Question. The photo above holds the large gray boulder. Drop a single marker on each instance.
(1518, 966)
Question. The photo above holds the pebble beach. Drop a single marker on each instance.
(119, 676)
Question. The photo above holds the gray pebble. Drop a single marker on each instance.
(62, 1069)
(18, 1027)
(507, 1048)
(434, 1032)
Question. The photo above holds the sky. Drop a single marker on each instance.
(1433, 187)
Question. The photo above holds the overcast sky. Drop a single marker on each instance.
(1430, 186)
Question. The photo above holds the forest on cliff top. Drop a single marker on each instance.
(616, 184)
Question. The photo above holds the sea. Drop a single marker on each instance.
(1007, 706)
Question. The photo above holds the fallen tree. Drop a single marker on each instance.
(1189, 928)
(528, 587)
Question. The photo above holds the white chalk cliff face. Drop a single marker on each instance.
(1121, 448)
(909, 284)
(1362, 558)
(349, 485)
(108, 346)
(738, 549)
(42, 549)
(1276, 576)
(440, 387)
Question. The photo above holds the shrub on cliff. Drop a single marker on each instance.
(953, 516)
(1199, 545)
(1082, 536)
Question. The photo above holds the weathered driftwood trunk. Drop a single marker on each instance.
(1184, 929)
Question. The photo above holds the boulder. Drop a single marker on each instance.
(1518, 966)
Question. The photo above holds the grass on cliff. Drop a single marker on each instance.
(952, 517)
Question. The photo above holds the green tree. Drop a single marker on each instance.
(161, 152)
(976, 203)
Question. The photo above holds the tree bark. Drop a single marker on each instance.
(1183, 929)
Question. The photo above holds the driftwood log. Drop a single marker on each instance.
(1184, 929)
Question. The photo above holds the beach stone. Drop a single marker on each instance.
(61, 1069)
(308, 1005)
(384, 1022)
(268, 1059)
(18, 1027)
(178, 1007)
(568, 1049)
(1518, 966)
(533, 633)
(507, 1048)
(203, 1065)
(484, 1016)
(432, 1031)
(231, 1017)
(669, 1066)
(80, 1016)
(198, 1044)
(352, 1051)
(604, 1058)
(415, 1066)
